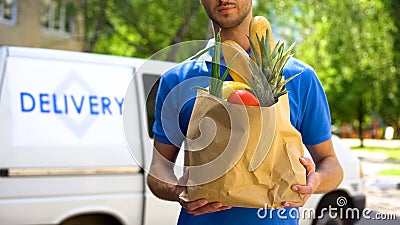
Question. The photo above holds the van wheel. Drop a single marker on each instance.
(327, 220)
(98, 219)
(338, 213)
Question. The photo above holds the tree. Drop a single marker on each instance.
(140, 28)
(350, 45)
(392, 114)
(351, 48)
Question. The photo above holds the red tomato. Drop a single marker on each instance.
(243, 97)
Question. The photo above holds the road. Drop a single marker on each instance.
(383, 192)
(376, 218)
(383, 195)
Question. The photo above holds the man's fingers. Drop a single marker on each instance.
(207, 208)
(224, 208)
(293, 204)
(303, 189)
(307, 189)
(191, 206)
(220, 209)
(211, 207)
(296, 204)
(308, 164)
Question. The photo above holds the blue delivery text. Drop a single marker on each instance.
(65, 104)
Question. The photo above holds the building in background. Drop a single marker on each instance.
(54, 24)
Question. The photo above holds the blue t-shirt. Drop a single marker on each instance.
(309, 114)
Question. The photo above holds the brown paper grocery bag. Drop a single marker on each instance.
(244, 156)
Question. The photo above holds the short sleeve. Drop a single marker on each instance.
(175, 99)
(164, 109)
(309, 106)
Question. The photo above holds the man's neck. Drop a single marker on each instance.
(238, 34)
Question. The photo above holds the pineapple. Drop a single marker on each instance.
(267, 65)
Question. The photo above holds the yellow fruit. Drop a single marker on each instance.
(258, 26)
(230, 86)
(240, 70)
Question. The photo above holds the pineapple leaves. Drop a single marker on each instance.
(254, 56)
(260, 86)
(268, 82)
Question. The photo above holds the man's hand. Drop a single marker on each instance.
(201, 206)
(197, 207)
(312, 183)
(329, 174)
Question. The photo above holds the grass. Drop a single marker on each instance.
(393, 154)
(390, 172)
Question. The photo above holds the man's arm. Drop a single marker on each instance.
(164, 184)
(161, 178)
(325, 176)
(328, 169)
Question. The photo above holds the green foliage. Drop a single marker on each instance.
(351, 49)
(141, 27)
(353, 45)
(391, 114)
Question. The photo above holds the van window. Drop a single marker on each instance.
(150, 84)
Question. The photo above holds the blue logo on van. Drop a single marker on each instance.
(89, 105)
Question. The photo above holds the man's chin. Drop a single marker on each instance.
(227, 24)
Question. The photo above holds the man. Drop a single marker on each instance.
(309, 114)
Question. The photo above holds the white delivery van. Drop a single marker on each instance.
(64, 158)
(63, 154)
